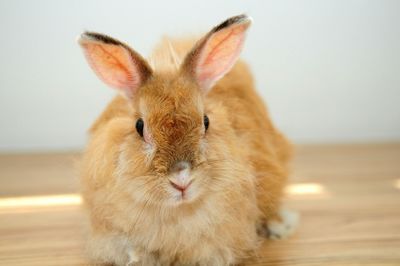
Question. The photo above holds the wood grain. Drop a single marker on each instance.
(354, 220)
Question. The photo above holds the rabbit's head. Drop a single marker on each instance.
(176, 146)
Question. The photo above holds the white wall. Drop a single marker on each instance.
(329, 70)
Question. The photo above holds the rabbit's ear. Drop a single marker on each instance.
(114, 62)
(215, 54)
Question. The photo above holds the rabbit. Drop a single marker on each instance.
(184, 166)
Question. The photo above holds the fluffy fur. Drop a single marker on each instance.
(238, 169)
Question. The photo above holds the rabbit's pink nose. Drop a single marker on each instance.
(180, 187)
(180, 179)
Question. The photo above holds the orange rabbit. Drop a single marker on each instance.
(185, 167)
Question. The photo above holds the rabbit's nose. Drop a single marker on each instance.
(180, 177)
(180, 166)
(181, 188)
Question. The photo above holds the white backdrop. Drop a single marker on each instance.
(329, 70)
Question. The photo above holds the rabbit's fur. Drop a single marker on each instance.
(237, 167)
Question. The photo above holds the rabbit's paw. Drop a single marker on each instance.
(133, 259)
(275, 229)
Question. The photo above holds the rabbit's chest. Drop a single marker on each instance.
(183, 234)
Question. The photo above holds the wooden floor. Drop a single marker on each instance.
(348, 197)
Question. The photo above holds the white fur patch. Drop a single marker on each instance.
(133, 258)
(114, 249)
(149, 151)
(280, 230)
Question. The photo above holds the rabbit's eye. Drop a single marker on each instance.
(139, 126)
(206, 122)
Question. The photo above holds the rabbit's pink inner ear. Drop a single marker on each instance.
(219, 53)
(115, 64)
(112, 64)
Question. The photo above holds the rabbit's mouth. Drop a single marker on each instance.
(181, 188)
(182, 193)
(181, 180)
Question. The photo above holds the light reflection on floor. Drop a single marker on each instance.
(397, 183)
(45, 201)
(40, 201)
(305, 189)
